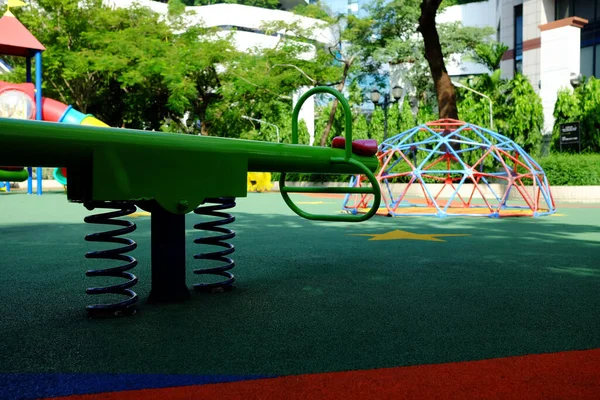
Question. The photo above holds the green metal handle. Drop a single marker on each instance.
(347, 159)
(345, 107)
(375, 190)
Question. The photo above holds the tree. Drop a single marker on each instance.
(518, 111)
(490, 54)
(312, 11)
(580, 105)
(260, 82)
(435, 58)
(340, 57)
(271, 4)
(307, 63)
(473, 107)
(377, 124)
(521, 115)
(360, 127)
(352, 46)
(126, 66)
(192, 77)
(406, 34)
(406, 118)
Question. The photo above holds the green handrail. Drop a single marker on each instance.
(375, 190)
(345, 107)
(347, 159)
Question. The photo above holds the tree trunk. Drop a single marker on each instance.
(201, 114)
(204, 129)
(329, 123)
(446, 96)
(340, 87)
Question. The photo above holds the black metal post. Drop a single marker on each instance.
(560, 144)
(168, 257)
(385, 117)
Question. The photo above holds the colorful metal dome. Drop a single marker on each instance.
(452, 168)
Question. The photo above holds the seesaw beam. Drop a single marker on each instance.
(170, 175)
(167, 174)
(179, 171)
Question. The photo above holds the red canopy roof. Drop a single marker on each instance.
(15, 39)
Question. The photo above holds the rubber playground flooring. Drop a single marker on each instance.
(409, 307)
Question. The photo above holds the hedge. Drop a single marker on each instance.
(291, 177)
(572, 169)
(561, 169)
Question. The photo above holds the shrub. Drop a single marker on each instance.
(572, 169)
(518, 111)
(580, 105)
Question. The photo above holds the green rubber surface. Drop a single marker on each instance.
(310, 297)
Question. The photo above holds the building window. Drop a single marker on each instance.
(353, 7)
(580, 8)
(498, 37)
(585, 9)
(563, 8)
(586, 57)
(590, 36)
(519, 39)
(597, 62)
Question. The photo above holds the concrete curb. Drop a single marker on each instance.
(49, 184)
(561, 194)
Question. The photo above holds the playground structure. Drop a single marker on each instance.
(453, 168)
(16, 40)
(25, 101)
(259, 182)
(117, 169)
(19, 101)
(123, 169)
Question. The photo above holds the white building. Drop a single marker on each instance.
(246, 21)
(551, 42)
(481, 14)
(343, 7)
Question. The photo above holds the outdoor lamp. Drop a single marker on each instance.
(397, 92)
(576, 79)
(375, 96)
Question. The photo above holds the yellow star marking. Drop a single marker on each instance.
(139, 214)
(313, 202)
(403, 235)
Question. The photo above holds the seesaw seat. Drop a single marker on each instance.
(361, 147)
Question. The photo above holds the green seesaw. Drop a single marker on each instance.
(170, 175)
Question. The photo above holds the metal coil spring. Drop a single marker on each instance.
(222, 203)
(126, 307)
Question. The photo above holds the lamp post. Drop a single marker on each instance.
(396, 95)
(458, 84)
(575, 80)
(264, 122)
